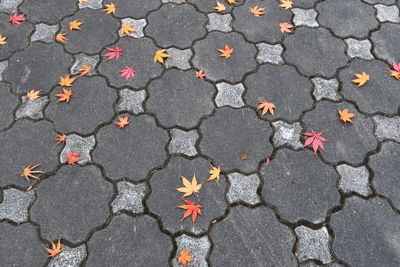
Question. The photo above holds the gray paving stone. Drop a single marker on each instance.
(44, 33)
(176, 25)
(199, 248)
(9, 6)
(138, 25)
(313, 244)
(385, 166)
(226, 136)
(315, 59)
(136, 53)
(8, 103)
(32, 108)
(180, 99)
(356, 135)
(15, 204)
(183, 142)
(130, 197)
(219, 22)
(131, 101)
(270, 53)
(292, 183)
(173, 1)
(387, 13)
(207, 6)
(164, 199)
(82, 188)
(35, 145)
(92, 97)
(93, 4)
(20, 246)
(287, 134)
(364, 233)
(378, 95)
(386, 42)
(229, 95)
(69, 257)
(231, 69)
(119, 162)
(179, 58)
(313, 264)
(387, 128)
(264, 28)
(129, 240)
(76, 143)
(354, 179)
(48, 12)
(29, 69)
(304, 3)
(87, 40)
(3, 66)
(82, 59)
(254, 233)
(243, 188)
(292, 98)
(134, 9)
(305, 17)
(385, 2)
(326, 89)
(360, 49)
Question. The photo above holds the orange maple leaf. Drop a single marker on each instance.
(110, 8)
(286, 4)
(3, 40)
(219, 7)
(29, 172)
(61, 37)
(191, 209)
(266, 107)
(226, 52)
(65, 95)
(345, 116)
(257, 11)
(200, 74)
(361, 79)
(285, 27)
(66, 81)
(85, 69)
(184, 257)
(75, 25)
(33, 94)
(231, 2)
(83, 1)
(122, 122)
(55, 249)
(60, 138)
(73, 157)
(127, 29)
(189, 187)
(245, 155)
(395, 72)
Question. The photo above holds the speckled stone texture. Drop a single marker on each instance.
(71, 257)
(39, 10)
(270, 53)
(8, 103)
(385, 42)
(76, 143)
(129, 198)
(199, 248)
(130, 100)
(218, 22)
(15, 204)
(387, 128)
(32, 108)
(287, 134)
(229, 95)
(133, 8)
(179, 58)
(243, 188)
(183, 142)
(354, 179)
(359, 48)
(313, 244)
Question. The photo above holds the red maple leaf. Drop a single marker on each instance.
(16, 18)
(191, 209)
(127, 73)
(114, 52)
(316, 139)
(72, 157)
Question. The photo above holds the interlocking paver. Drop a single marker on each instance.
(32, 108)
(9, 6)
(305, 17)
(313, 244)
(183, 142)
(8, 103)
(71, 257)
(130, 100)
(3, 66)
(93, 4)
(243, 188)
(287, 134)
(304, 3)
(270, 53)
(359, 48)
(82, 59)
(387, 13)
(326, 89)
(387, 128)
(38, 11)
(354, 179)
(44, 32)
(207, 6)
(76, 143)
(199, 248)
(385, 42)
(229, 95)
(130, 197)
(219, 22)
(15, 204)
(136, 9)
(179, 58)
(137, 24)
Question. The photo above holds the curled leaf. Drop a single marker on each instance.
(361, 79)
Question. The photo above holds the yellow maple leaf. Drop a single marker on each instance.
(61, 37)
(54, 250)
(214, 173)
(160, 55)
(231, 2)
(345, 116)
(66, 81)
(190, 187)
(85, 69)
(257, 11)
(361, 79)
(75, 25)
(226, 52)
(127, 29)
(3, 40)
(110, 8)
(266, 107)
(219, 7)
(33, 94)
(286, 4)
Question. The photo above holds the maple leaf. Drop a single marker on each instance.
(226, 52)
(85, 69)
(3, 40)
(33, 94)
(61, 37)
(16, 18)
(190, 187)
(266, 107)
(361, 79)
(244, 155)
(184, 257)
(110, 9)
(127, 29)
(285, 27)
(72, 157)
(395, 72)
(200, 74)
(214, 173)
(191, 209)
(286, 4)
(257, 11)
(65, 95)
(82, 1)
(114, 52)
(231, 2)
(75, 25)
(122, 122)
(219, 7)
(316, 139)
(345, 116)
(29, 172)
(54, 250)
(128, 73)
(66, 81)
(60, 138)
(160, 55)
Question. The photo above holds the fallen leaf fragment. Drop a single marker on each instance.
(61, 37)
(114, 52)
(72, 157)
(361, 79)
(160, 55)
(395, 72)
(60, 138)
(29, 172)
(244, 155)
(16, 18)
(231, 2)
(219, 7)
(3, 39)
(66, 81)
(127, 29)
(257, 11)
(85, 69)
(65, 96)
(82, 1)
(184, 257)
(189, 187)
(226, 52)
(54, 250)
(110, 8)
(267, 160)
(214, 173)
(33, 94)
(122, 122)
(345, 116)
(285, 27)
(200, 74)
(128, 73)
(286, 4)
(266, 107)
(29, 188)
(191, 209)
(316, 140)
(75, 25)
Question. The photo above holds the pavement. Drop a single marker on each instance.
(276, 203)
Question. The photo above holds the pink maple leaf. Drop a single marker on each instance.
(114, 52)
(16, 18)
(128, 73)
(316, 139)
(395, 72)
